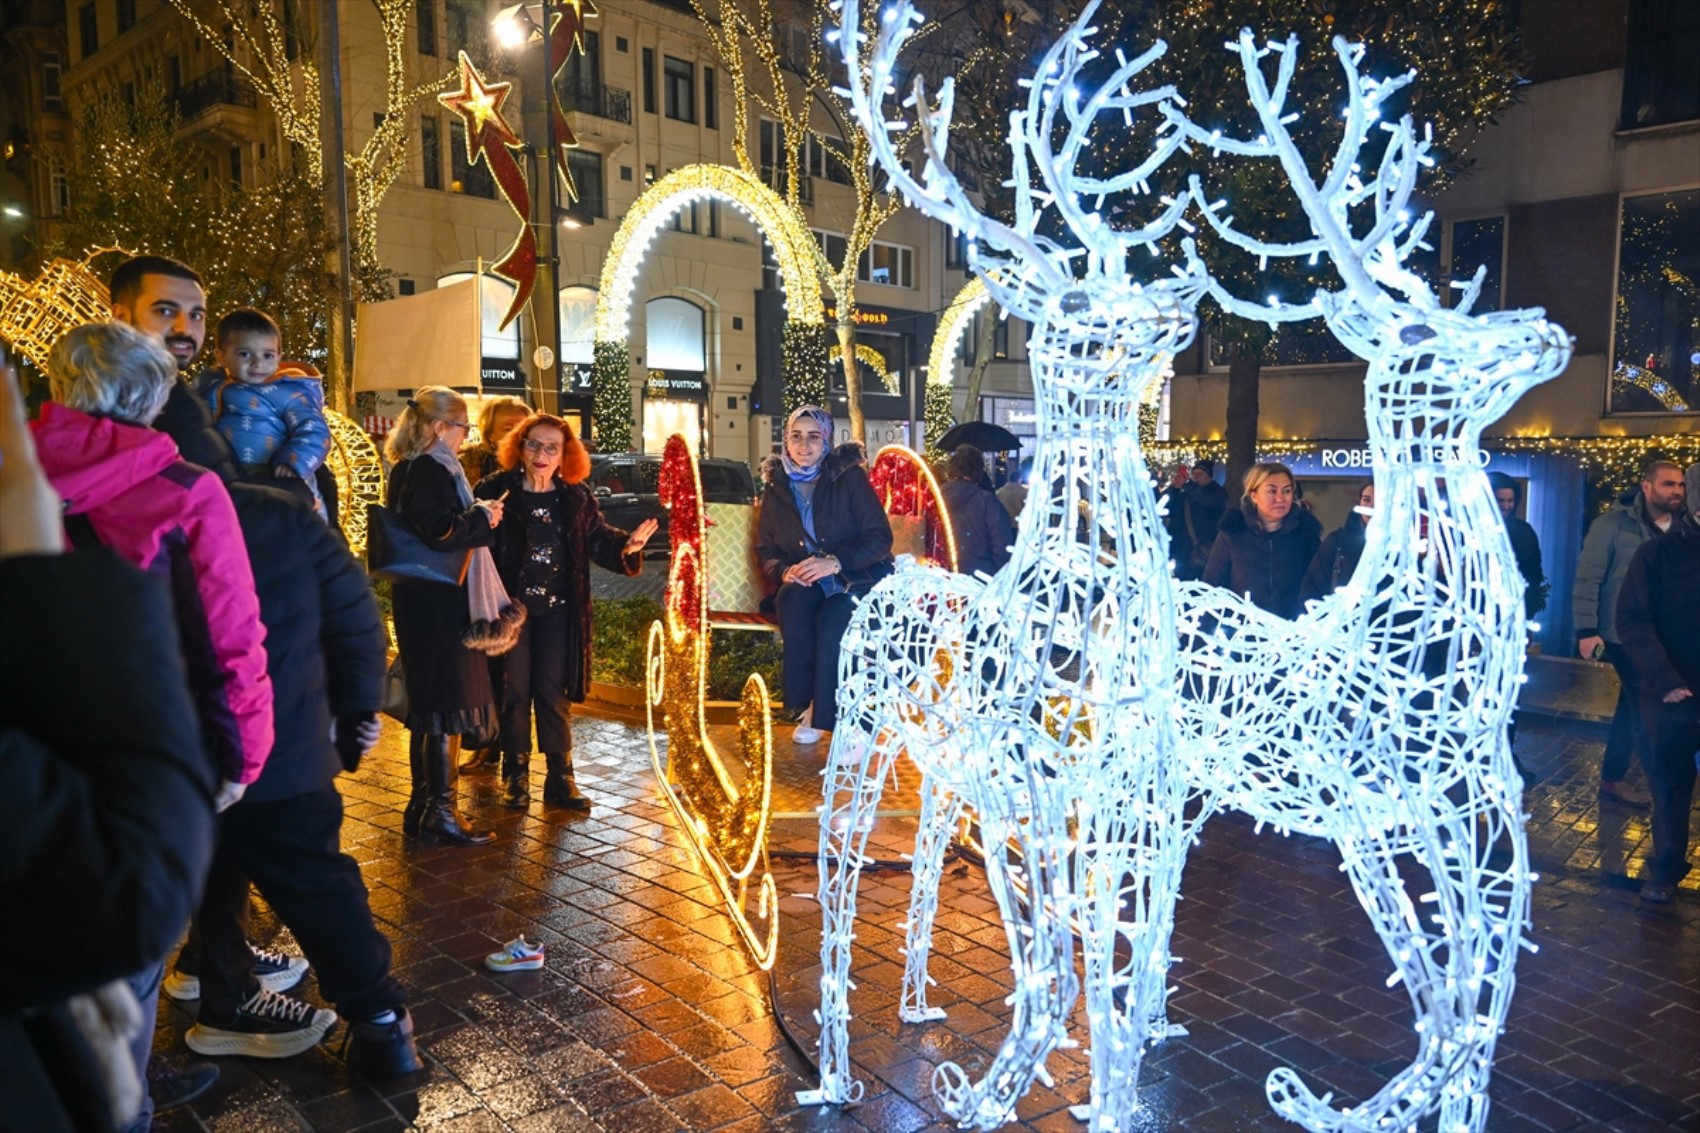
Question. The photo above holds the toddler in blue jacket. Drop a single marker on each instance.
(272, 412)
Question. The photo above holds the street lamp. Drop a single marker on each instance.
(14, 212)
(515, 27)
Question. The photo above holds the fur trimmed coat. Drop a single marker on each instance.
(1266, 566)
(849, 521)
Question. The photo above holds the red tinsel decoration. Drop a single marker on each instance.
(682, 496)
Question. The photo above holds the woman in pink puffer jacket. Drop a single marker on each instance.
(125, 486)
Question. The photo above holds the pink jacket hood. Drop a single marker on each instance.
(92, 460)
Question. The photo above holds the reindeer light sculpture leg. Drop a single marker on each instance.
(1388, 733)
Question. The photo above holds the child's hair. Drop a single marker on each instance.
(412, 434)
(246, 320)
(575, 458)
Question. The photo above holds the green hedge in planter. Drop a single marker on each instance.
(621, 638)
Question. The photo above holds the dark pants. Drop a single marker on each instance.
(1625, 736)
(1672, 742)
(811, 626)
(289, 849)
(534, 675)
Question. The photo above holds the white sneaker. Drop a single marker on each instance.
(276, 971)
(269, 1025)
(803, 734)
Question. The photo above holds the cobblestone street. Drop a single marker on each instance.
(649, 1015)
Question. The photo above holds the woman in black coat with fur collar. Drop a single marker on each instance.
(822, 539)
(1263, 549)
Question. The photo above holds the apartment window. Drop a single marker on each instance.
(127, 94)
(126, 15)
(1478, 244)
(473, 180)
(426, 13)
(1656, 338)
(649, 80)
(685, 219)
(466, 27)
(622, 44)
(431, 150)
(891, 264)
(58, 185)
(52, 98)
(581, 79)
(88, 30)
(710, 100)
(956, 251)
(713, 218)
(832, 244)
(173, 74)
(775, 158)
(824, 159)
(1660, 80)
(680, 82)
(585, 168)
(236, 165)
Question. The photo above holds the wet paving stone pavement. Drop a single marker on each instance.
(650, 1016)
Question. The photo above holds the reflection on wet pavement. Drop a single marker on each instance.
(648, 1015)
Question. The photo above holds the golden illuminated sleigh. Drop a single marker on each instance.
(726, 816)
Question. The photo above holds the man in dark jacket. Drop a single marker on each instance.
(982, 527)
(1202, 504)
(1613, 538)
(325, 654)
(1525, 544)
(1658, 621)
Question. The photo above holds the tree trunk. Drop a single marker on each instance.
(983, 341)
(339, 368)
(846, 329)
(1243, 372)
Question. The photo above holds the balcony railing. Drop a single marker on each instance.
(599, 100)
(216, 88)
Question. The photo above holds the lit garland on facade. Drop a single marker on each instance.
(726, 823)
(793, 249)
(611, 397)
(802, 364)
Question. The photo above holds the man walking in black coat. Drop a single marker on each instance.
(325, 654)
(1658, 612)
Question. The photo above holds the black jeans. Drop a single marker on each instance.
(1625, 737)
(811, 626)
(535, 676)
(290, 849)
(1672, 743)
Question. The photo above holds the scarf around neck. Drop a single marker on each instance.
(495, 617)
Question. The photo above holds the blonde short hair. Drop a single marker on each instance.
(112, 370)
(1262, 471)
(493, 408)
(412, 434)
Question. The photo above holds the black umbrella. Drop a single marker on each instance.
(983, 435)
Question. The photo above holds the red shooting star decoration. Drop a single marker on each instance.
(488, 135)
(565, 36)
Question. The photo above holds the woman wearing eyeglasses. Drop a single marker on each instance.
(552, 531)
(448, 683)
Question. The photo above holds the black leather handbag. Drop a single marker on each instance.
(395, 551)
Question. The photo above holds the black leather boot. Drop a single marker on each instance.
(415, 808)
(559, 789)
(381, 1052)
(442, 820)
(516, 779)
(486, 758)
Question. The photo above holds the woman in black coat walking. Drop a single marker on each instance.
(822, 539)
(448, 684)
(982, 527)
(550, 533)
(1263, 549)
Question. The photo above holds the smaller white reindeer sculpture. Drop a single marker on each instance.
(1378, 718)
(1045, 698)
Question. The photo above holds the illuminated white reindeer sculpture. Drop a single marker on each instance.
(1378, 718)
(1045, 698)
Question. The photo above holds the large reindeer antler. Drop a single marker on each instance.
(1021, 249)
(1371, 264)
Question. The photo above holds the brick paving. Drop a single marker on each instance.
(650, 1017)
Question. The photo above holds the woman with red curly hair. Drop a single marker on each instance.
(551, 531)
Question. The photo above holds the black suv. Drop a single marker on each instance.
(627, 486)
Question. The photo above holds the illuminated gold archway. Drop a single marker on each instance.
(873, 360)
(955, 321)
(793, 250)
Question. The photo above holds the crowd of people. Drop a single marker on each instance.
(183, 530)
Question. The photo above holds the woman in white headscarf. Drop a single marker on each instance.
(822, 540)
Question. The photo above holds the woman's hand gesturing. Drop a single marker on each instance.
(639, 536)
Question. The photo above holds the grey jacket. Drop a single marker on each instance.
(1611, 544)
